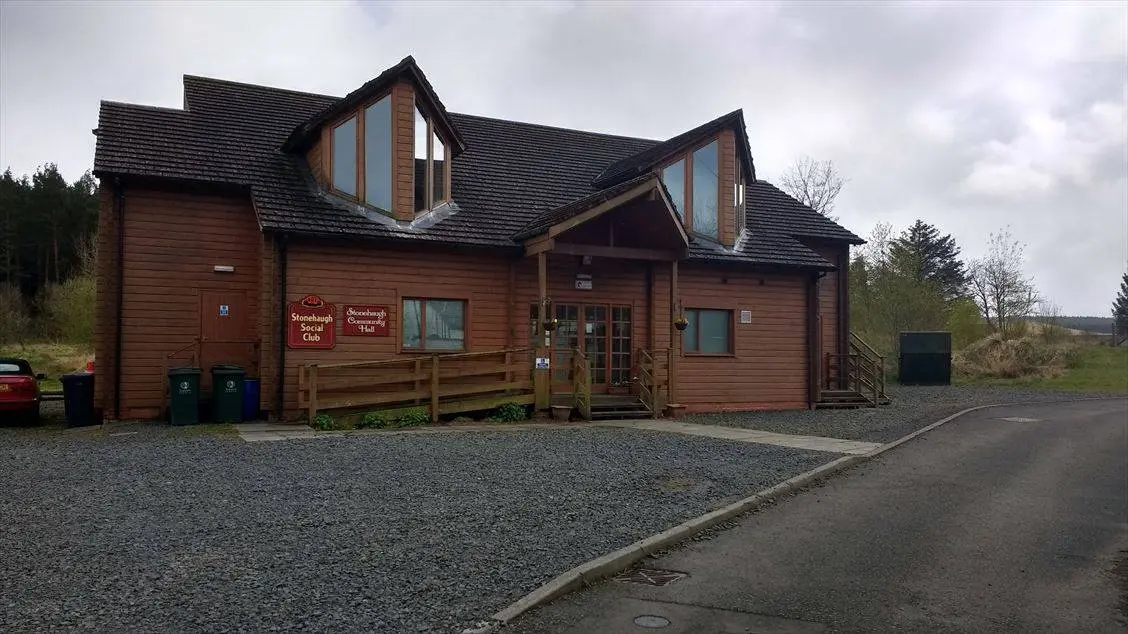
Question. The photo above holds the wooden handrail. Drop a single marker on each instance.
(440, 383)
(452, 355)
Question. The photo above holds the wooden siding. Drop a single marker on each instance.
(344, 274)
(831, 317)
(726, 156)
(106, 301)
(403, 147)
(768, 369)
(318, 160)
(172, 242)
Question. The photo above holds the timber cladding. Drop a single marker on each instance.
(768, 368)
(173, 295)
(372, 274)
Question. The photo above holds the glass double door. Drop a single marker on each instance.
(603, 332)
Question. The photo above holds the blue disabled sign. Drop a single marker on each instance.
(224, 310)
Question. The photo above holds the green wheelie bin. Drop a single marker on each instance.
(184, 396)
(227, 393)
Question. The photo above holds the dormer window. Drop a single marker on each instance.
(706, 190)
(362, 155)
(344, 157)
(430, 164)
(693, 182)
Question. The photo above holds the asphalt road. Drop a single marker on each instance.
(983, 525)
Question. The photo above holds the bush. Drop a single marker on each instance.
(13, 314)
(68, 310)
(324, 422)
(1028, 357)
(372, 420)
(413, 418)
(510, 413)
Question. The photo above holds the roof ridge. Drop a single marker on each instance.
(557, 127)
(245, 84)
(143, 106)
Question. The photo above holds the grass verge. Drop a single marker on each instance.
(52, 359)
(1097, 369)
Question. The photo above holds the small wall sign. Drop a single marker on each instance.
(583, 285)
(542, 363)
(311, 324)
(745, 316)
(224, 310)
(364, 321)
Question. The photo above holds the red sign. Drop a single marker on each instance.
(311, 324)
(365, 321)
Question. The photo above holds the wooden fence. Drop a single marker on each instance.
(444, 384)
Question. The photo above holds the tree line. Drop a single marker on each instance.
(916, 280)
(47, 238)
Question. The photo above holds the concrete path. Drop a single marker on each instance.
(736, 434)
(1011, 519)
(262, 432)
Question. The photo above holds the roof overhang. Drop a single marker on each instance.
(547, 232)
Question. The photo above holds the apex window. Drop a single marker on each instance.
(431, 167)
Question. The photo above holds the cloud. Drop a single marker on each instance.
(972, 117)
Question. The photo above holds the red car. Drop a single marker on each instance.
(19, 391)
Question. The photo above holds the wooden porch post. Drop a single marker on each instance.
(541, 377)
(675, 347)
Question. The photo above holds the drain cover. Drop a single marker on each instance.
(1019, 419)
(651, 577)
(651, 621)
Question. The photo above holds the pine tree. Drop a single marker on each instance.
(1120, 309)
(927, 256)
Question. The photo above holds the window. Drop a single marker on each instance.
(430, 164)
(434, 324)
(344, 157)
(674, 179)
(708, 332)
(706, 189)
(378, 154)
(438, 164)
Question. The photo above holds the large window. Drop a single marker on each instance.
(434, 325)
(378, 154)
(706, 189)
(430, 164)
(344, 157)
(674, 179)
(708, 332)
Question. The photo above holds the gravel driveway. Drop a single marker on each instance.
(165, 530)
(911, 408)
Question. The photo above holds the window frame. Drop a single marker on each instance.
(356, 117)
(687, 156)
(731, 321)
(362, 136)
(422, 299)
(432, 132)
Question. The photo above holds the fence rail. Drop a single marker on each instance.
(444, 384)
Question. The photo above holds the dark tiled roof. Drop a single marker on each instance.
(776, 212)
(509, 174)
(542, 222)
(653, 156)
(767, 249)
(407, 67)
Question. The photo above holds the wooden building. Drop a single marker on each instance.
(377, 250)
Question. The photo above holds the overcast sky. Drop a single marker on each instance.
(972, 117)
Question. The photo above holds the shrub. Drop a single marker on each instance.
(68, 310)
(13, 314)
(324, 422)
(372, 420)
(413, 418)
(510, 413)
(996, 357)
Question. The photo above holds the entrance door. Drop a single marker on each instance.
(603, 332)
(225, 332)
